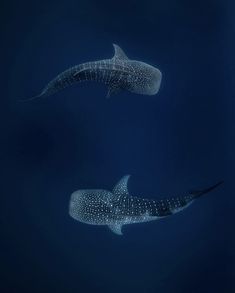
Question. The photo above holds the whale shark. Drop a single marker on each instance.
(117, 208)
(118, 73)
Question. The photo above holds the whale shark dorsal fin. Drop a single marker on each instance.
(118, 53)
(116, 228)
(121, 187)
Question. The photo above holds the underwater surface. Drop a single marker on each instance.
(178, 140)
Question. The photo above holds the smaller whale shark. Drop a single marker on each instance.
(118, 73)
(118, 208)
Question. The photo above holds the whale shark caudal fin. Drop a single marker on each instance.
(198, 193)
(116, 228)
(31, 99)
(41, 95)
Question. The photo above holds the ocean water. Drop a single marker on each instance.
(180, 139)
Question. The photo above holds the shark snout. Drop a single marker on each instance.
(156, 82)
(73, 204)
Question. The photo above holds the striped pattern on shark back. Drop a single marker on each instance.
(136, 207)
(165, 206)
(104, 71)
(60, 82)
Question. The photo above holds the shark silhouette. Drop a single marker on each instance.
(118, 208)
(118, 73)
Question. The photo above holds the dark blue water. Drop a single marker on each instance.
(180, 139)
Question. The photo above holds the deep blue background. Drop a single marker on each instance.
(180, 139)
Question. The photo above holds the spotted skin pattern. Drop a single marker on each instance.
(118, 73)
(117, 208)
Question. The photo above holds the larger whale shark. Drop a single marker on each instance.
(118, 73)
(118, 208)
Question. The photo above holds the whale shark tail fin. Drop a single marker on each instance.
(32, 98)
(43, 94)
(198, 193)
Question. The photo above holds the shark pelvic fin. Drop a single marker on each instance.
(121, 187)
(118, 53)
(116, 228)
(113, 89)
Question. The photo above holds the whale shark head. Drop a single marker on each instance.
(91, 206)
(101, 207)
(143, 78)
(147, 79)
(154, 80)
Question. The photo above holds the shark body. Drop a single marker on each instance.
(118, 73)
(118, 208)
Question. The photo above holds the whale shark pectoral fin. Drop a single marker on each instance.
(113, 89)
(121, 187)
(118, 53)
(116, 228)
